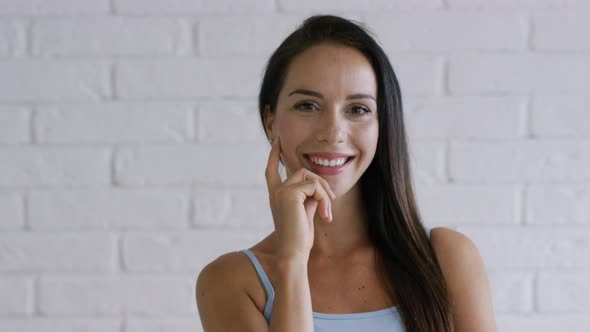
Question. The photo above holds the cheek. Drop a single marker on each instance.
(370, 138)
(291, 129)
(288, 133)
(282, 126)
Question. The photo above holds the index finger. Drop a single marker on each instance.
(273, 177)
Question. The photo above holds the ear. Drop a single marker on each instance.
(269, 120)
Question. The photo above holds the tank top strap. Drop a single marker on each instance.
(268, 289)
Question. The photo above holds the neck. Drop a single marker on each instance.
(348, 230)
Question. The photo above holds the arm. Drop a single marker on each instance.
(465, 275)
(225, 306)
(292, 307)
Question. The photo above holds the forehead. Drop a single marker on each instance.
(331, 70)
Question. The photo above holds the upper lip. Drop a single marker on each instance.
(328, 155)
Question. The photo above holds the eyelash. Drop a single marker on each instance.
(367, 111)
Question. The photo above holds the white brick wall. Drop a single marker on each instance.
(131, 152)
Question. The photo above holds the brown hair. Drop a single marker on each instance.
(403, 249)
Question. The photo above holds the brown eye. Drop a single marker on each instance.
(360, 111)
(305, 106)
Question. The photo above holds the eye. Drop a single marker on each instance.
(362, 111)
(306, 106)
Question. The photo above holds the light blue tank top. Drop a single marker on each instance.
(386, 320)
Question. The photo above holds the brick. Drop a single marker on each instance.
(538, 74)
(242, 164)
(560, 116)
(12, 211)
(115, 123)
(241, 122)
(12, 38)
(517, 161)
(164, 324)
(550, 29)
(36, 166)
(16, 296)
(528, 247)
(543, 323)
(108, 209)
(187, 78)
(14, 125)
(427, 161)
(564, 292)
(55, 7)
(384, 5)
(517, 4)
(56, 324)
(348, 6)
(53, 80)
(183, 252)
(418, 75)
(111, 36)
(188, 7)
(29, 252)
(445, 31)
(129, 295)
(466, 204)
(512, 292)
(558, 205)
(308, 6)
(251, 35)
(465, 117)
(235, 208)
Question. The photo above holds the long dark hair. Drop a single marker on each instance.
(405, 255)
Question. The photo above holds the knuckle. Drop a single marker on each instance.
(305, 171)
(302, 172)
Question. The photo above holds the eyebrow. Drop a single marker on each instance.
(319, 95)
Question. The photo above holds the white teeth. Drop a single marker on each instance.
(328, 163)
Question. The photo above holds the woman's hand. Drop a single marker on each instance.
(294, 203)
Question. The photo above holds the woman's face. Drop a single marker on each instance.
(328, 104)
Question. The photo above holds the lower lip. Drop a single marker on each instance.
(325, 170)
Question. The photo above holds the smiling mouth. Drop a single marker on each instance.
(346, 161)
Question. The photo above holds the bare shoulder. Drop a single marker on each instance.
(224, 265)
(452, 246)
(465, 274)
(223, 268)
(223, 298)
(220, 279)
(458, 256)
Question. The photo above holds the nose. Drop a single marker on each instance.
(331, 127)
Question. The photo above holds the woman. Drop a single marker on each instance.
(349, 251)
